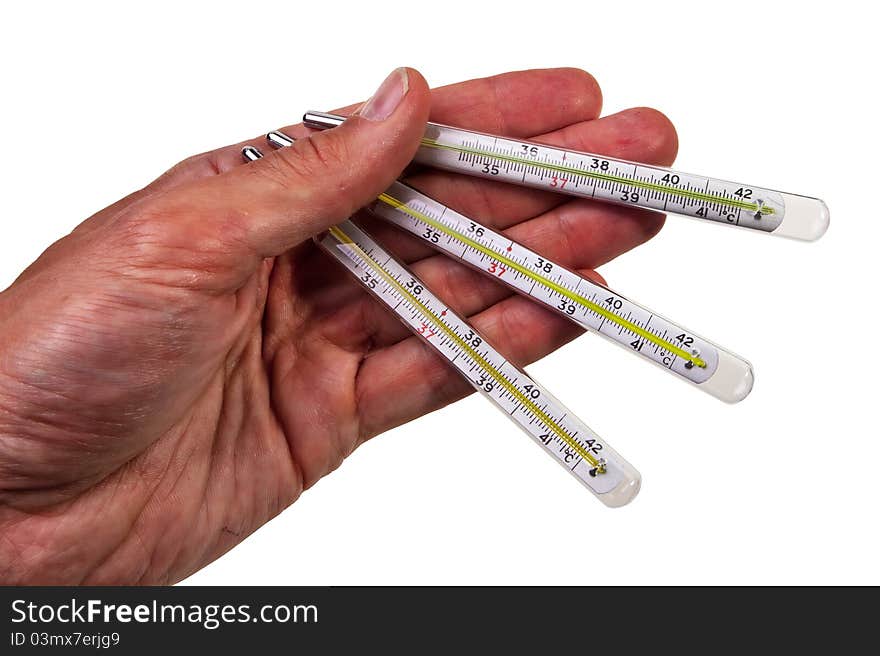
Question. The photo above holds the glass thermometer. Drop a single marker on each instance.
(614, 180)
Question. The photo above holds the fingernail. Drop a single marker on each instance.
(387, 97)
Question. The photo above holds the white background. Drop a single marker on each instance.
(782, 488)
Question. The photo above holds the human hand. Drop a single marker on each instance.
(177, 370)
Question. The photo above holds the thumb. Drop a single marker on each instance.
(270, 205)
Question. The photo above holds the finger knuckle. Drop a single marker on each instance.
(203, 164)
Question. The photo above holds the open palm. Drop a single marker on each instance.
(163, 395)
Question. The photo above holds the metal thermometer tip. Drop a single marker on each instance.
(278, 139)
(321, 120)
(251, 154)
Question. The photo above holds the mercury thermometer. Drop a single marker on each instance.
(589, 175)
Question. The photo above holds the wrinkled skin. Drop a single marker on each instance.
(176, 371)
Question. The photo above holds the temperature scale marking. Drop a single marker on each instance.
(720, 201)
